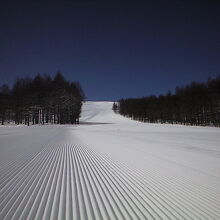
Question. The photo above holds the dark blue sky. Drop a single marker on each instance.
(113, 48)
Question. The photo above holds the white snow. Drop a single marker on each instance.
(109, 167)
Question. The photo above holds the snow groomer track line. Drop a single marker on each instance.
(109, 167)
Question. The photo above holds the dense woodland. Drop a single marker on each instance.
(41, 100)
(194, 104)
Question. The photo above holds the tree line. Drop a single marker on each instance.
(194, 104)
(40, 100)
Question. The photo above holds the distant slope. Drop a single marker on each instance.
(99, 112)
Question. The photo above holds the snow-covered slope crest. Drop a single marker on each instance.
(99, 112)
(95, 111)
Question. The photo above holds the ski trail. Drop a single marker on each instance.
(72, 180)
(108, 172)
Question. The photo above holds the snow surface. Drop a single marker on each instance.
(109, 167)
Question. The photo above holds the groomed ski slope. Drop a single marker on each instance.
(109, 167)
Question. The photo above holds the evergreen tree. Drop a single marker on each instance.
(41, 100)
(194, 104)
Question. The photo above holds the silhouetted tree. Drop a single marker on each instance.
(194, 104)
(115, 107)
(41, 100)
(5, 102)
